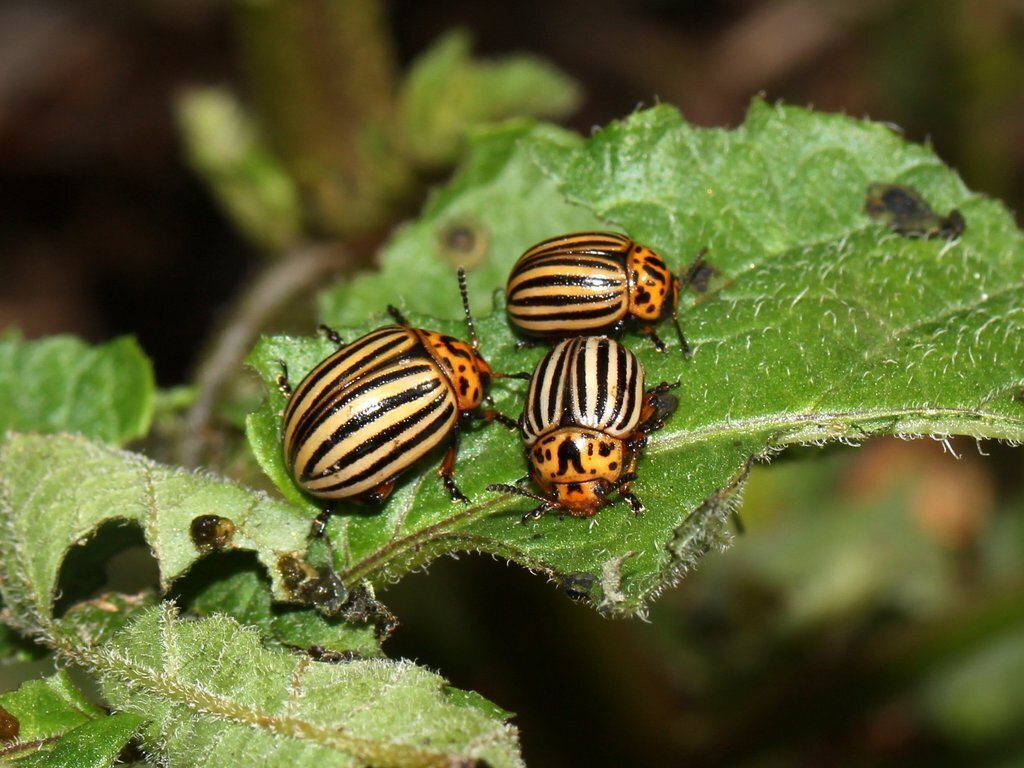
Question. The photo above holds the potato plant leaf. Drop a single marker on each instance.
(212, 686)
(58, 727)
(447, 91)
(56, 491)
(498, 202)
(820, 324)
(209, 688)
(60, 384)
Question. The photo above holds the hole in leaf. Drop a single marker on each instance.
(236, 584)
(116, 558)
(230, 582)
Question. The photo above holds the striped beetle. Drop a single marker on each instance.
(586, 419)
(592, 282)
(378, 404)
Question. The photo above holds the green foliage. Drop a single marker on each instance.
(978, 699)
(60, 728)
(822, 325)
(499, 202)
(208, 687)
(60, 384)
(56, 490)
(333, 145)
(876, 583)
(446, 93)
(242, 591)
(225, 147)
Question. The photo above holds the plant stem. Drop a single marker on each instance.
(323, 79)
(306, 266)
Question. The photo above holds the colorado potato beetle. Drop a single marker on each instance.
(592, 282)
(586, 419)
(379, 404)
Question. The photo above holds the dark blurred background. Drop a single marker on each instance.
(885, 626)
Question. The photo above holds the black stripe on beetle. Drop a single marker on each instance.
(368, 412)
(586, 401)
(591, 283)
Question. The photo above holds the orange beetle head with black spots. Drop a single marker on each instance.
(469, 373)
(576, 467)
(653, 289)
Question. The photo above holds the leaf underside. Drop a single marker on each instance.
(193, 681)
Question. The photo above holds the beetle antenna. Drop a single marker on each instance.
(396, 315)
(465, 306)
(679, 332)
(515, 490)
(685, 280)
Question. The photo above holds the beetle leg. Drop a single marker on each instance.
(319, 525)
(683, 343)
(397, 315)
(517, 490)
(656, 339)
(626, 478)
(537, 514)
(688, 279)
(489, 414)
(380, 493)
(622, 486)
(492, 414)
(332, 335)
(634, 504)
(282, 380)
(453, 489)
(447, 469)
(521, 375)
(658, 406)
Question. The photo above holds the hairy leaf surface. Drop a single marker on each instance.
(214, 696)
(818, 324)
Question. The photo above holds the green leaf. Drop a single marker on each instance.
(209, 688)
(59, 728)
(446, 93)
(977, 700)
(57, 490)
(48, 706)
(96, 744)
(241, 590)
(821, 325)
(224, 147)
(60, 384)
(498, 202)
(94, 622)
